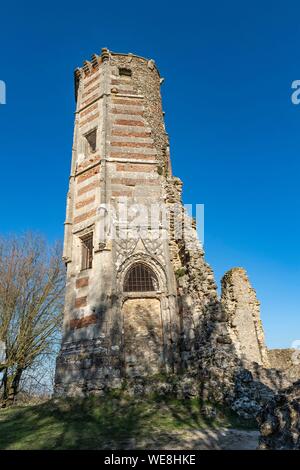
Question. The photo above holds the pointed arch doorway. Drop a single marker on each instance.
(142, 322)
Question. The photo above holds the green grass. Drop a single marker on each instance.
(102, 422)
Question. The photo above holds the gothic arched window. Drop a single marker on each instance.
(140, 278)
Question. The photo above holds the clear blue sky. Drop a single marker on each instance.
(235, 135)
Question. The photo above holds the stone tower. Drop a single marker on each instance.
(140, 299)
(120, 310)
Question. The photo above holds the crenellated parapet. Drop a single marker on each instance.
(90, 67)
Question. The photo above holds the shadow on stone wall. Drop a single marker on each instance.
(280, 421)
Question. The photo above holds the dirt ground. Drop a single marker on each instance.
(222, 439)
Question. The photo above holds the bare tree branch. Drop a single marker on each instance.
(31, 305)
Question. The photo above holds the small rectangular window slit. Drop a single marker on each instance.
(91, 142)
(87, 251)
(125, 72)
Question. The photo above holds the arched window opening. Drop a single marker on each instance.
(140, 278)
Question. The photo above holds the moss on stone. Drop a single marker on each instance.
(180, 272)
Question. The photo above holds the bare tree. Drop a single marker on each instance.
(31, 303)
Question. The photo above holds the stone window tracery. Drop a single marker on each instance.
(140, 278)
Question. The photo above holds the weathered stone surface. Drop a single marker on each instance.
(200, 344)
(280, 420)
(240, 303)
(287, 361)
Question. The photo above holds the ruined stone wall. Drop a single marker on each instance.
(239, 301)
(280, 421)
(118, 97)
(281, 358)
(287, 361)
(196, 288)
(222, 340)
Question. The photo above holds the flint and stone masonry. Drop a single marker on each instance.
(144, 304)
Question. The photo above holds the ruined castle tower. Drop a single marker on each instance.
(140, 298)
